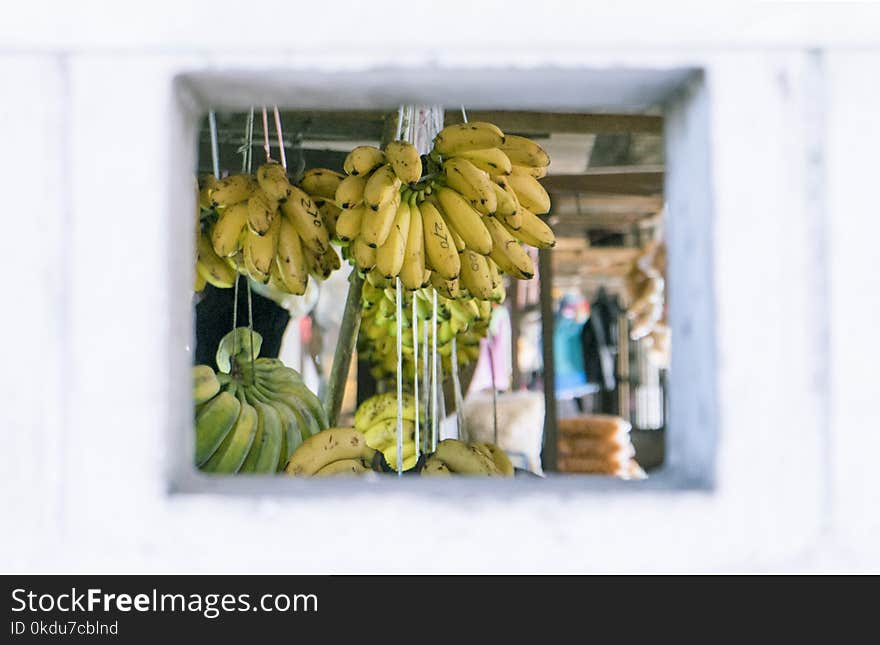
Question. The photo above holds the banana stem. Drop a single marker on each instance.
(348, 331)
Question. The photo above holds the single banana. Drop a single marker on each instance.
(206, 184)
(382, 406)
(381, 187)
(446, 288)
(231, 454)
(259, 251)
(205, 383)
(343, 467)
(305, 216)
(435, 467)
(280, 441)
(439, 248)
(326, 447)
(502, 461)
(472, 183)
(389, 256)
(530, 193)
(214, 269)
(525, 152)
(364, 255)
(390, 453)
(462, 137)
(490, 160)
(290, 259)
(457, 239)
(363, 160)
(509, 208)
(475, 275)
(465, 220)
(321, 182)
(350, 191)
(412, 270)
(534, 231)
(266, 450)
(537, 173)
(464, 459)
(213, 422)
(262, 210)
(348, 226)
(232, 190)
(505, 246)
(330, 213)
(227, 234)
(385, 431)
(272, 178)
(404, 158)
(200, 281)
(376, 224)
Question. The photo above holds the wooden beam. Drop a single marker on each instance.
(524, 122)
(621, 181)
(565, 204)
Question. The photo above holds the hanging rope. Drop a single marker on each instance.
(266, 145)
(215, 146)
(434, 384)
(281, 152)
(415, 322)
(399, 314)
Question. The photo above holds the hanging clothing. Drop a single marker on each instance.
(599, 342)
(568, 357)
(498, 343)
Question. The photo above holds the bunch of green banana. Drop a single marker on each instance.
(334, 451)
(457, 457)
(264, 227)
(465, 319)
(376, 419)
(253, 414)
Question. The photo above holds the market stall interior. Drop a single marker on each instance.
(429, 291)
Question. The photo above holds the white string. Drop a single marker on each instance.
(399, 123)
(426, 380)
(247, 149)
(266, 145)
(459, 399)
(415, 322)
(215, 146)
(280, 138)
(399, 312)
(434, 384)
(463, 114)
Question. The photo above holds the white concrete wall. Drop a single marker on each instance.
(94, 381)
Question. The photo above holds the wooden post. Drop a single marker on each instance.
(545, 277)
(348, 331)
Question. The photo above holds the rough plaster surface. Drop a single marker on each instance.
(96, 380)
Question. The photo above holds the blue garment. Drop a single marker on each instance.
(568, 353)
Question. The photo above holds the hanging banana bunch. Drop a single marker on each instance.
(460, 214)
(266, 228)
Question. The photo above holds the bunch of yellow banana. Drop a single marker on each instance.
(466, 320)
(492, 196)
(250, 418)
(334, 451)
(266, 228)
(459, 216)
(457, 457)
(376, 419)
